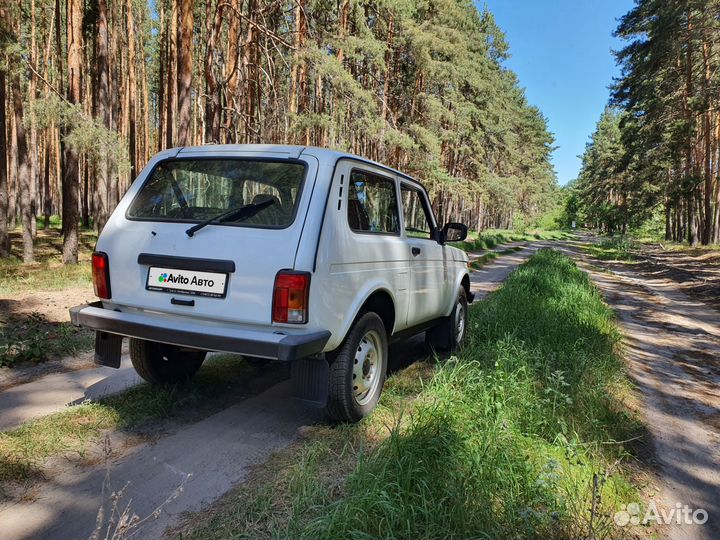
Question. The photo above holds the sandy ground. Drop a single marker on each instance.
(54, 305)
(672, 349)
(194, 464)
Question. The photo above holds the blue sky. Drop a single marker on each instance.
(561, 52)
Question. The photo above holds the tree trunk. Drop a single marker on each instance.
(102, 109)
(132, 89)
(71, 176)
(162, 57)
(184, 71)
(212, 101)
(171, 78)
(24, 185)
(4, 238)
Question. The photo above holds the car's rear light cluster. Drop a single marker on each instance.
(290, 297)
(101, 274)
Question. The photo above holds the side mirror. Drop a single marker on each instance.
(454, 232)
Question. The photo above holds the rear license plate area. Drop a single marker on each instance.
(190, 282)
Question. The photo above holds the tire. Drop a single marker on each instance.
(160, 364)
(450, 334)
(363, 356)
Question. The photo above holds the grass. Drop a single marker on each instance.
(32, 338)
(47, 272)
(490, 239)
(501, 441)
(23, 450)
(617, 248)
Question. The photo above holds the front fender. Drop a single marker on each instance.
(455, 290)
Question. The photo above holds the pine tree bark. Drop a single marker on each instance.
(171, 77)
(212, 101)
(132, 89)
(184, 71)
(102, 108)
(24, 178)
(71, 173)
(4, 238)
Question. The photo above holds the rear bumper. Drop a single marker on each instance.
(198, 335)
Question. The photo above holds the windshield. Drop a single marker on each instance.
(191, 190)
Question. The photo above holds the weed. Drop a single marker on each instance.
(32, 338)
(618, 248)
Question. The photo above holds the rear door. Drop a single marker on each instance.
(224, 271)
(427, 257)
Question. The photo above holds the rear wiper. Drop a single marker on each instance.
(244, 212)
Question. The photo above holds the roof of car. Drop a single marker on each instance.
(282, 151)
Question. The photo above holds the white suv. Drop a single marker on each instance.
(276, 252)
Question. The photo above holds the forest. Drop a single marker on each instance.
(656, 150)
(91, 89)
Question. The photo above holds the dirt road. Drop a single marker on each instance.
(193, 464)
(672, 349)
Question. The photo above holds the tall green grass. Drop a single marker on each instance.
(616, 248)
(502, 441)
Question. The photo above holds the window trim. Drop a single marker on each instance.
(293, 220)
(429, 216)
(382, 177)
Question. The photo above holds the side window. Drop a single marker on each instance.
(415, 217)
(372, 204)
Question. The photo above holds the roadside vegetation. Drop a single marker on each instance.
(616, 248)
(30, 334)
(32, 338)
(503, 440)
(136, 411)
(48, 271)
(490, 239)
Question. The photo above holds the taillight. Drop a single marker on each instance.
(290, 297)
(101, 274)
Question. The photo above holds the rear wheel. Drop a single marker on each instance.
(357, 370)
(159, 363)
(450, 334)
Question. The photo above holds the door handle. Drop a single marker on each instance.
(416, 251)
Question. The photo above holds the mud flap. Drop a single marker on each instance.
(107, 349)
(310, 380)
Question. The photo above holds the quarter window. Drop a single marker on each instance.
(372, 204)
(415, 216)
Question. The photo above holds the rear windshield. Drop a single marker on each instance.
(196, 190)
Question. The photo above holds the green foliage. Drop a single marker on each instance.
(617, 248)
(84, 133)
(33, 338)
(501, 441)
(455, 115)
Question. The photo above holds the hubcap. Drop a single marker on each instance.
(459, 322)
(367, 367)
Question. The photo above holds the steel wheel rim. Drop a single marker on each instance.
(367, 367)
(459, 322)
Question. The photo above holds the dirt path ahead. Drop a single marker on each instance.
(673, 355)
(205, 459)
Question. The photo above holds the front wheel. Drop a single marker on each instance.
(449, 335)
(159, 363)
(357, 370)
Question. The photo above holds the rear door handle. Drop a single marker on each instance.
(416, 251)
